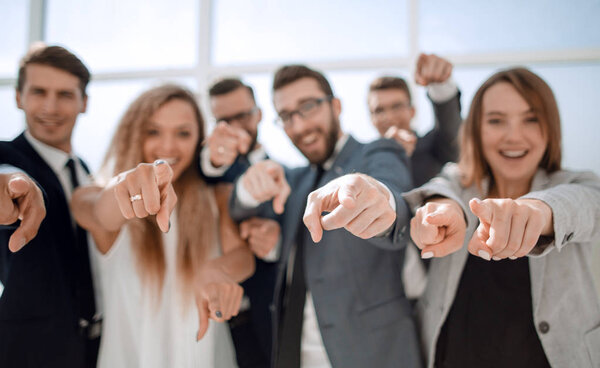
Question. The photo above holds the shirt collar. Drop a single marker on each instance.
(55, 158)
(336, 151)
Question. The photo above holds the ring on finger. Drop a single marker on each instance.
(137, 197)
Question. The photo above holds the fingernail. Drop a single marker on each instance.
(219, 314)
(512, 257)
(483, 254)
(496, 258)
(159, 162)
(427, 255)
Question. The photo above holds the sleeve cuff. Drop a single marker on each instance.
(442, 92)
(8, 169)
(273, 255)
(243, 196)
(207, 167)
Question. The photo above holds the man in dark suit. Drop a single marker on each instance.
(230, 149)
(337, 303)
(392, 111)
(48, 310)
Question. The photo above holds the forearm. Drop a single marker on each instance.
(238, 263)
(96, 208)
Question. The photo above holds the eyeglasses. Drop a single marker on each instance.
(393, 108)
(242, 118)
(305, 110)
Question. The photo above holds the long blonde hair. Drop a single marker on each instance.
(196, 222)
(540, 98)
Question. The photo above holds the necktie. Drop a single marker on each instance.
(295, 297)
(84, 290)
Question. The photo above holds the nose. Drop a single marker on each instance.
(50, 104)
(513, 130)
(168, 144)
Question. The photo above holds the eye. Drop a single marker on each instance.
(67, 95)
(308, 106)
(184, 134)
(494, 121)
(152, 132)
(532, 119)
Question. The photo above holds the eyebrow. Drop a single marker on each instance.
(530, 111)
(186, 125)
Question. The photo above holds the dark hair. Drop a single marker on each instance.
(57, 57)
(388, 82)
(290, 73)
(540, 98)
(226, 85)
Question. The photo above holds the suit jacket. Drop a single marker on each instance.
(239, 166)
(38, 309)
(363, 314)
(440, 145)
(566, 310)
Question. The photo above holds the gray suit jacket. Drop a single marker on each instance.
(364, 317)
(562, 289)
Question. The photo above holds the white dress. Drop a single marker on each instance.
(138, 331)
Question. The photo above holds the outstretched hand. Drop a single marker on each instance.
(21, 199)
(509, 228)
(265, 180)
(438, 228)
(147, 190)
(356, 202)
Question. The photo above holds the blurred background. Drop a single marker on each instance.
(130, 45)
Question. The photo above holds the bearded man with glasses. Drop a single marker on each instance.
(338, 303)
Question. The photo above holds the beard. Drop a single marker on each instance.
(331, 138)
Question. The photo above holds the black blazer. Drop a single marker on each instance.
(38, 309)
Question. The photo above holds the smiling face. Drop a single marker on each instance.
(512, 136)
(172, 134)
(314, 135)
(390, 107)
(238, 109)
(51, 99)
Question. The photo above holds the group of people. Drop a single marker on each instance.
(466, 247)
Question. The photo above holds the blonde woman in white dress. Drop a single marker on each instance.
(170, 256)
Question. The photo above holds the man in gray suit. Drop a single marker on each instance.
(339, 303)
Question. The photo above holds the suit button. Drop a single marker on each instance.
(544, 327)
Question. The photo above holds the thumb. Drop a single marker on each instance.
(162, 173)
(17, 187)
(245, 230)
(347, 196)
(203, 314)
(481, 210)
(391, 132)
(244, 140)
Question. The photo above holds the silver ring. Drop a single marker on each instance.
(137, 197)
(221, 150)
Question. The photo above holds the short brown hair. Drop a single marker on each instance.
(288, 74)
(226, 85)
(540, 98)
(388, 82)
(57, 57)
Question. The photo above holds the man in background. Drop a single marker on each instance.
(230, 149)
(392, 110)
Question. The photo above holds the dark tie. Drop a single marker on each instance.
(295, 296)
(84, 290)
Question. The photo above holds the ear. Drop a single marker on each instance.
(18, 99)
(259, 114)
(84, 106)
(412, 112)
(336, 104)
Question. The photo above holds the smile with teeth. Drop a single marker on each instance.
(513, 153)
(309, 139)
